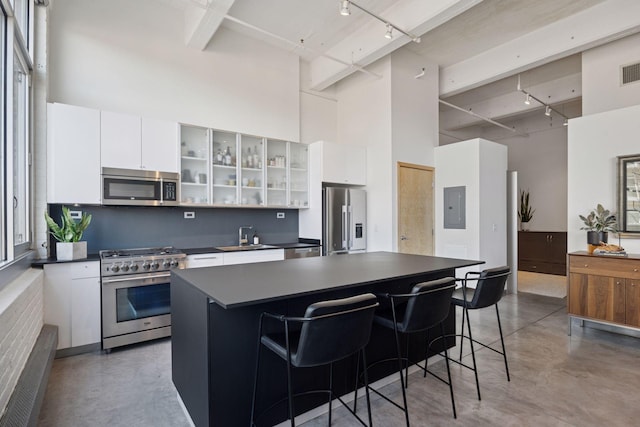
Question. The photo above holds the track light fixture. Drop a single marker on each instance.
(389, 33)
(547, 107)
(344, 8)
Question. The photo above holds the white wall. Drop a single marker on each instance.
(480, 166)
(364, 118)
(594, 142)
(414, 117)
(601, 81)
(318, 118)
(541, 162)
(130, 56)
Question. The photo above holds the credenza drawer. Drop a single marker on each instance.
(605, 266)
(542, 267)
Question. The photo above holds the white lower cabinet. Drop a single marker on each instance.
(204, 260)
(246, 257)
(72, 302)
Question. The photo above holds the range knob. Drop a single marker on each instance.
(146, 266)
(134, 267)
(115, 268)
(155, 265)
(174, 263)
(125, 267)
(166, 263)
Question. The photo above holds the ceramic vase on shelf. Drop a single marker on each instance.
(524, 225)
(594, 238)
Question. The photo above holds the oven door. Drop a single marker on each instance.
(134, 304)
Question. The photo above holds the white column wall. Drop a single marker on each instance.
(131, 57)
(480, 166)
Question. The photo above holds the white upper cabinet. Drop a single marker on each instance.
(344, 163)
(73, 154)
(132, 142)
(160, 145)
(120, 143)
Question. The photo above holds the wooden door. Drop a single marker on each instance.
(605, 298)
(632, 302)
(415, 209)
(578, 294)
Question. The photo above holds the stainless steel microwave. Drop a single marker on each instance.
(139, 187)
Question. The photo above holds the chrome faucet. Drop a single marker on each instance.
(243, 239)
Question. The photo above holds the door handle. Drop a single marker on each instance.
(344, 226)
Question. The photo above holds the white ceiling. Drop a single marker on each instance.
(453, 33)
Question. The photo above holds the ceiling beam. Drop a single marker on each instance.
(553, 92)
(368, 44)
(202, 21)
(600, 24)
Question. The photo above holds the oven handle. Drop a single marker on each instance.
(106, 280)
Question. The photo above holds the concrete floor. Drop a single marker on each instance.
(588, 379)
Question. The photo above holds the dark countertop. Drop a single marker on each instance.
(247, 284)
(39, 263)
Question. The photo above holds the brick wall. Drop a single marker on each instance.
(21, 314)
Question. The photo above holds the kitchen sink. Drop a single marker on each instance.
(245, 247)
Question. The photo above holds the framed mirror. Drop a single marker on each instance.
(629, 195)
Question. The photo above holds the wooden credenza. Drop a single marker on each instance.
(543, 252)
(604, 289)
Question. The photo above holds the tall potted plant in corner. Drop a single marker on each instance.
(68, 235)
(526, 212)
(598, 224)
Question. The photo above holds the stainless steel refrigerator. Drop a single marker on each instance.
(344, 218)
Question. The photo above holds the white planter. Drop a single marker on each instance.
(70, 251)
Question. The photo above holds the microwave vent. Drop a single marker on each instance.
(630, 73)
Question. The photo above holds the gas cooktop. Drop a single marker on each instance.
(140, 261)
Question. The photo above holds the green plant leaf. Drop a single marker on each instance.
(69, 230)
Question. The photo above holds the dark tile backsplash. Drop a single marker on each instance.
(122, 227)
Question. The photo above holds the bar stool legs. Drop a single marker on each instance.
(465, 314)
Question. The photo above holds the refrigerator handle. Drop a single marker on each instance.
(345, 230)
(350, 228)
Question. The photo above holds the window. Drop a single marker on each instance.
(21, 151)
(3, 151)
(15, 124)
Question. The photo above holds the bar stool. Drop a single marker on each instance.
(330, 331)
(426, 306)
(489, 290)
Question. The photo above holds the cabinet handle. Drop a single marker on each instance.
(635, 270)
(586, 265)
(617, 283)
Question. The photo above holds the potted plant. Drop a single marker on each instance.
(526, 212)
(68, 235)
(598, 224)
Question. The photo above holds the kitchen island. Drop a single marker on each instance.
(215, 313)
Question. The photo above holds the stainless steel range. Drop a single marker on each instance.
(136, 304)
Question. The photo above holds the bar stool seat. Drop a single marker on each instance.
(426, 306)
(329, 331)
